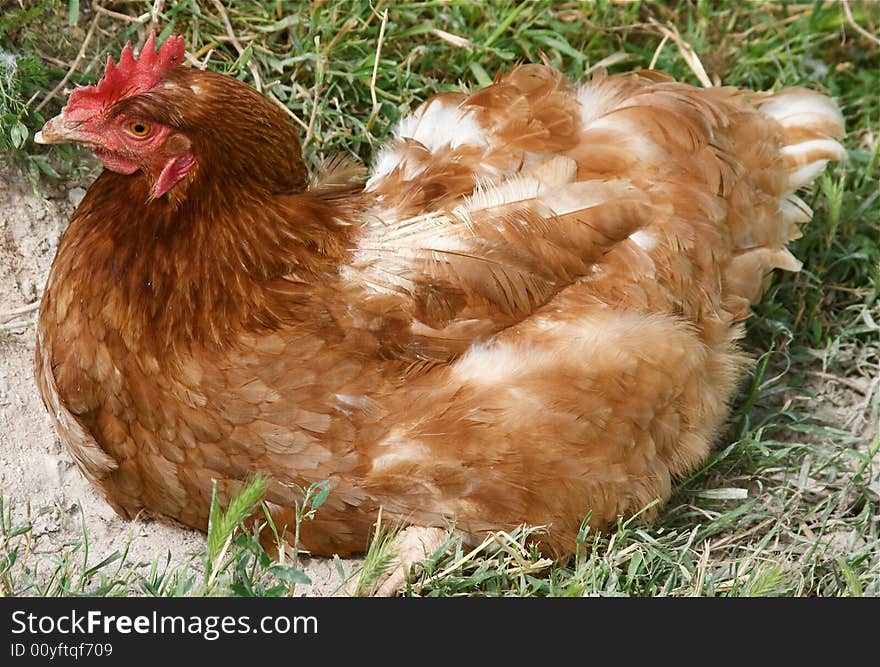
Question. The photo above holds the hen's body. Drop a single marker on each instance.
(528, 315)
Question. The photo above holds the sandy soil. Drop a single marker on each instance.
(34, 466)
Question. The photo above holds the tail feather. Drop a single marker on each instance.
(811, 124)
(798, 109)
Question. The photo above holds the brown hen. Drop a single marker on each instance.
(527, 315)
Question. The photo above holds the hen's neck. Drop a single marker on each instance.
(220, 261)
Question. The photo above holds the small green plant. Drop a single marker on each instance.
(23, 75)
(235, 549)
(13, 545)
(224, 525)
(305, 510)
(378, 557)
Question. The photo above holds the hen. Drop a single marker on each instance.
(528, 314)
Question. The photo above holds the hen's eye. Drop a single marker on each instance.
(139, 128)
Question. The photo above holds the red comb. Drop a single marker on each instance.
(130, 77)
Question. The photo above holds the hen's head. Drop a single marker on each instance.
(149, 115)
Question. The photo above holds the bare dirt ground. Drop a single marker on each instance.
(34, 466)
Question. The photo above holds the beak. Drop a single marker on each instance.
(60, 131)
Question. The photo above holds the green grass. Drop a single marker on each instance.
(787, 505)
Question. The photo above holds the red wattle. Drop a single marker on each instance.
(174, 170)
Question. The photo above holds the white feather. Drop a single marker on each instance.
(832, 150)
(806, 174)
(645, 240)
(440, 124)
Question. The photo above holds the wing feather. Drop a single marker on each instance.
(652, 193)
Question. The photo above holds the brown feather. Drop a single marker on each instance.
(527, 314)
